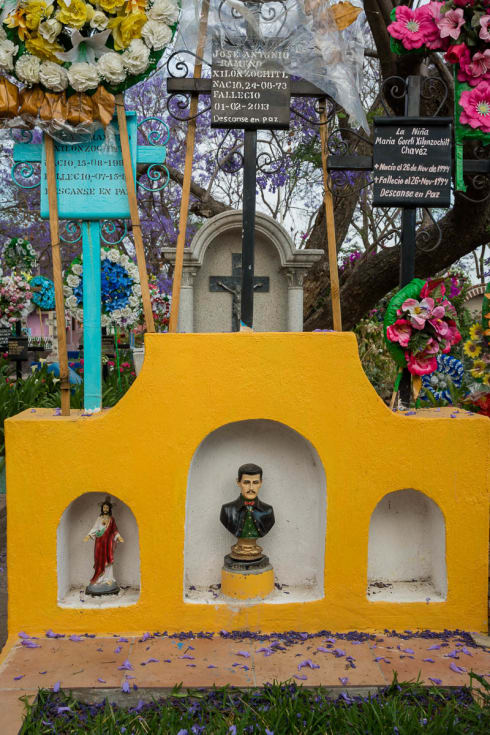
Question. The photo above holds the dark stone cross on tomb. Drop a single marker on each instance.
(233, 285)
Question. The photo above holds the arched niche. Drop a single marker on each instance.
(407, 549)
(294, 484)
(75, 558)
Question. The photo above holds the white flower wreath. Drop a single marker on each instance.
(121, 290)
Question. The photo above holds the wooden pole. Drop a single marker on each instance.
(330, 220)
(186, 185)
(135, 217)
(57, 276)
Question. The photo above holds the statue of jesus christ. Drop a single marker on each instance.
(106, 536)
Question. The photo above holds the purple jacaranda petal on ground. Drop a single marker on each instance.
(379, 658)
(435, 647)
(183, 732)
(75, 638)
(186, 655)
(212, 666)
(457, 669)
(167, 660)
(24, 635)
(304, 636)
(60, 710)
(145, 636)
(102, 681)
(308, 662)
(51, 634)
(429, 660)
(43, 672)
(153, 661)
(125, 666)
(300, 676)
(56, 687)
(245, 654)
(122, 640)
(191, 666)
(409, 650)
(338, 652)
(125, 687)
(265, 651)
(30, 644)
(245, 668)
(343, 680)
(268, 732)
(21, 676)
(330, 640)
(118, 649)
(465, 650)
(323, 650)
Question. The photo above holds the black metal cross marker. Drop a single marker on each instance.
(233, 284)
(411, 168)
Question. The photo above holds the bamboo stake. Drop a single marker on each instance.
(57, 276)
(135, 217)
(186, 184)
(330, 220)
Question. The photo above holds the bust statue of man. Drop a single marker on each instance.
(247, 517)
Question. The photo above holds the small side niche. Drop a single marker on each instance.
(407, 550)
(75, 558)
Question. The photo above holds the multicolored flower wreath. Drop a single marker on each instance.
(76, 46)
(42, 293)
(15, 299)
(449, 373)
(120, 289)
(19, 255)
(419, 323)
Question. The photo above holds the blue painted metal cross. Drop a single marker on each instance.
(91, 187)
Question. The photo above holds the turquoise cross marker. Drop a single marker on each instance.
(91, 187)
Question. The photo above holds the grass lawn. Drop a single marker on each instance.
(277, 709)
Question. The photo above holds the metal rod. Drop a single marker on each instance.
(248, 230)
(190, 143)
(408, 239)
(92, 343)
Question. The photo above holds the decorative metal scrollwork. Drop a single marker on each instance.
(396, 87)
(423, 235)
(154, 137)
(429, 88)
(71, 232)
(229, 159)
(111, 227)
(479, 183)
(155, 173)
(26, 171)
(331, 109)
(182, 101)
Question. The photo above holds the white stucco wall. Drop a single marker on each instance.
(76, 559)
(407, 543)
(293, 483)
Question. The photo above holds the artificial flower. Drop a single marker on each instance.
(420, 311)
(126, 28)
(83, 76)
(73, 13)
(421, 364)
(432, 35)
(38, 46)
(50, 29)
(450, 23)
(485, 28)
(110, 67)
(480, 64)
(136, 58)
(471, 349)
(476, 331)
(99, 20)
(53, 76)
(400, 332)
(476, 107)
(411, 27)
(457, 53)
(156, 35)
(478, 369)
(27, 68)
(7, 53)
(164, 11)
(17, 19)
(36, 11)
(111, 6)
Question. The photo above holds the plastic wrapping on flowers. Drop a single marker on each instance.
(120, 289)
(420, 323)
(72, 56)
(460, 29)
(321, 42)
(15, 299)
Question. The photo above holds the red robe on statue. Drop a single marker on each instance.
(104, 550)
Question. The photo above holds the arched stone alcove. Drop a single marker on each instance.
(294, 484)
(75, 559)
(407, 549)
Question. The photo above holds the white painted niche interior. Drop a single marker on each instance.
(407, 550)
(293, 483)
(75, 557)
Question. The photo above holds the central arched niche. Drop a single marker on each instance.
(293, 483)
(75, 558)
(407, 549)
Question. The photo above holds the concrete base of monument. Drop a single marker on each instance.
(78, 597)
(247, 584)
(416, 590)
